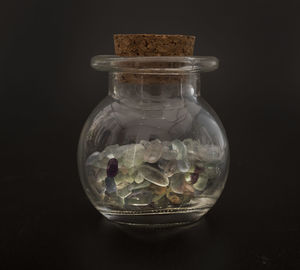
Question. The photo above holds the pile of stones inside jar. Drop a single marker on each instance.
(153, 174)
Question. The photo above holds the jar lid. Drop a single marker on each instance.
(154, 45)
(155, 64)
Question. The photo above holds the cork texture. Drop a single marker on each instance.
(153, 45)
(133, 45)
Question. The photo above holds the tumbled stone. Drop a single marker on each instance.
(132, 170)
(154, 176)
(100, 186)
(183, 165)
(135, 186)
(160, 202)
(124, 170)
(187, 188)
(139, 198)
(194, 177)
(111, 151)
(112, 200)
(158, 190)
(145, 143)
(122, 185)
(153, 152)
(168, 152)
(177, 183)
(157, 197)
(193, 148)
(110, 185)
(169, 167)
(187, 177)
(123, 180)
(180, 148)
(124, 192)
(174, 199)
(101, 174)
(201, 183)
(102, 163)
(118, 153)
(186, 199)
(112, 167)
(138, 177)
(133, 156)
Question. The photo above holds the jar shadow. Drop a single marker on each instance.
(186, 246)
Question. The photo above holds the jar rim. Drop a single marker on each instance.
(155, 64)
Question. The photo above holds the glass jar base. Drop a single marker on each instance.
(158, 218)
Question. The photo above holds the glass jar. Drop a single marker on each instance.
(153, 152)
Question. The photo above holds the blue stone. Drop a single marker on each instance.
(110, 185)
(112, 167)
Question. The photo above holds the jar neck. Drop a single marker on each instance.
(139, 89)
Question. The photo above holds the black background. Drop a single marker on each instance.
(47, 90)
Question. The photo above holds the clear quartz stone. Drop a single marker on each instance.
(111, 151)
(145, 143)
(133, 156)
(154, 176)
(191, 147)
(168, 152)
(169, 167)
(180, 148)
(138, 177)
(183, 165)
(139, 198)
(153, 152)
(177, 170)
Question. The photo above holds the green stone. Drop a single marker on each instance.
(154, 175)
(201, 183)
(153, 152)
(123, 179)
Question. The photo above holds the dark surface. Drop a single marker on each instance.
(48, 89)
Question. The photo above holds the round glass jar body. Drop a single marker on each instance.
(153, 152)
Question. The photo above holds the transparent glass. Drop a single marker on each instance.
(153, 152)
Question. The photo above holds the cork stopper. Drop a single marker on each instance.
(133, 45)
(153, 45)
